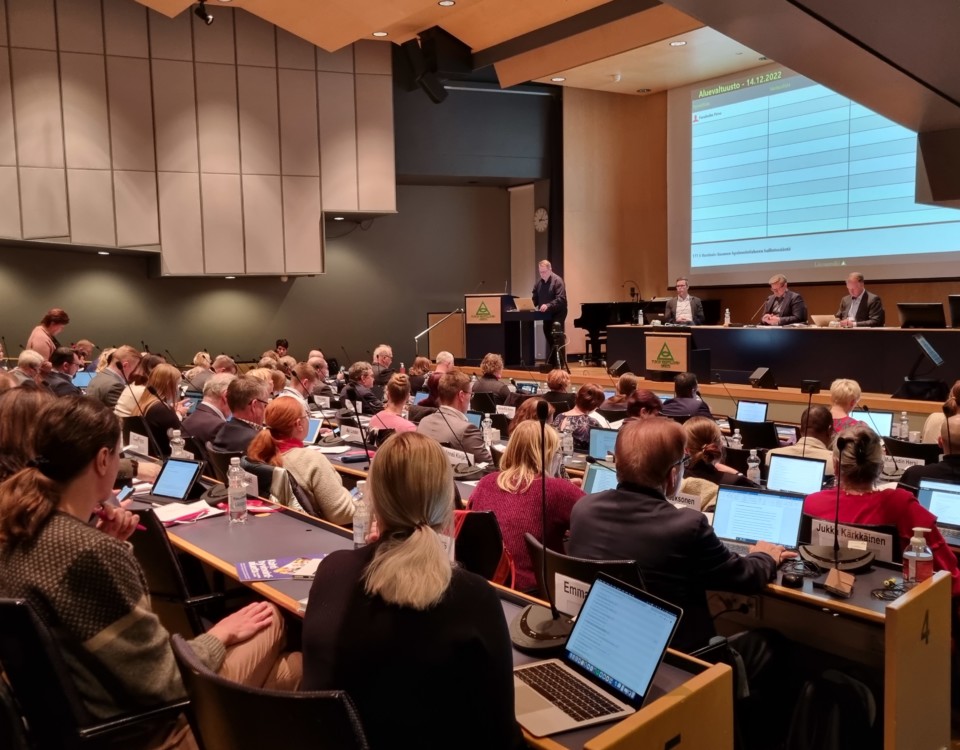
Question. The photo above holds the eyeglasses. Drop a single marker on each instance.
(262, 401)
(684, 460)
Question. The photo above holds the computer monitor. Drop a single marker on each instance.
(880, 422)
(602, 442)
(475, 418)
(609, 392)
(82, 379)
(752, 411)
(921, 315)
(942, 498)
(599, 478)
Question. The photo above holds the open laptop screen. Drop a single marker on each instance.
(82, 379)
(420, 396)
(748, 515)
(526, 387)
(941, 498)
(796, 474)
(752, 411)
(602, 442)
(599, 478)
(879, 421)
(475, 418)
(313, 431)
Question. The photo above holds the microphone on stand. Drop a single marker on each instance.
(866, 410)
(536, 629)
(809, 387)
(352, 397)
(633, 289)
(146, 348)
(478, 286)
(753, 317)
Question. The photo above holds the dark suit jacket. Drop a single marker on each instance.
(948, 469)
(553, 294)
(490, 384)
(235, 435)
(60, 384)
(106, 386)
(696, 309)
(686, 407)
(203, 424)
(370, 403)
(676, 550)
(870, 314)
(792, 308)
(381, 374)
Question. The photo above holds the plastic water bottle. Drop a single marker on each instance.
(736, 441)
(726, 317)
(177, 445)
(236, 492)
(486, 426)
(918, 559)
(639, 317)
(403, 368)
(904, 426)
(566, 441)
(361, 517)
(753, 466)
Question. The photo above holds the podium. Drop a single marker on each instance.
(494, 325)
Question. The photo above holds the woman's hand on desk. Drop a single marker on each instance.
(243, 624)
(778, 553)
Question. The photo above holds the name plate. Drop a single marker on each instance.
(569, 594)
(686, 500)
(139, 444)
(821, 532)
(457, 457)
(322, 401)
(508, 411)
(351, 434)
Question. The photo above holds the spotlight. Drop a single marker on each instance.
(201, 13)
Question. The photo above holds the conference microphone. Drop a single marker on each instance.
(866, 410)
(143, 344)
(352, 399)
(600, 462)
(538, 630)
(736, 404)
(752, 317)
(183, 375)
(633, 289)
(346, 354)
(478, 286)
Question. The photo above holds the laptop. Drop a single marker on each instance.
(82, 379)
(823, 321)
(602, 442)
(796, 474)
(752, 411)
(598, 478)
(942, 498)
(174, 482)
(525, 387)
(609, 392)
(743, 516)
(524, 303)
(879, 421)
(605, 673)
(475, 418)
(420, 396)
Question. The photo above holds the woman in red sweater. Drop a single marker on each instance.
(513, 494)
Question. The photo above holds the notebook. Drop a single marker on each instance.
(823, 321)
(174, 482)
(602, 442)
(796, 474)
(607, 668)
(752, 411)
(880, 422)
(744, 516)
(942, 498)
(598, 478)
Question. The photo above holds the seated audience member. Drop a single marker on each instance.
(281, 348)
(64, 364)
(528, 411)
(491, 369)
(198, 375)
(321, 387)
(104, 359)
(302, 379)
(626, 384)
(643, 404)
(43, 338)
(126, 405)
(159, 407)
(286, 365)
(449, 424)
(677, 550)
(558, 390)
(858, 460)
(84, 582)
(816, 437)
(583, 416)
(84, 349)
(29, 367)
(404, 631)
(247, 399)
(444, 363)
(211, 413)
(948, 467)
(267, 363)
(273, 379)
(223, 363)
(272, 355)
(382, 361)
(280, 443)
(686, 401)
(418, 373)
(432, 387)
(359, 387)
(844, 397)
(706, 450)
(19, 408)
(513, 494)
(397, 393)
(933, 425)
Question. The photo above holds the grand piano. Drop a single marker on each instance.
(596, 316)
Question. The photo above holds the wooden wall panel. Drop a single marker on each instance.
(294, 52)
(338, 141)
(302, 224)
(299, 136)
(170, 38)
(3, 23)
(90, 193)
(214, 43)
(79, 26)
(180, 224)
(8, 141)
(222, 223)
(86, 131)
(217, 121)
(36, 102)
(263, 224)
(43, 203)
(10, 208)
(373, 57)
(376, 163)
(131, 113)
(340, 61)
(137, 210)
(256, 40)
(125, 28)
(32, 24)
(175, 115)
(259, 128)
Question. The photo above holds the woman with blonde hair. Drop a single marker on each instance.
(844, 397)
(402, 629)
(933, 425)
(159, 408)
(280, 443)
(397, 394)
(514, 496)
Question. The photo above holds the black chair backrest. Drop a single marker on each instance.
(138, 425)
(515, 399)
(199, 451)
(479, 544)
(220, 461)
(736, 458)
(263, 472)
(226, 715)
(501, 422)
(929, 452)
(485, 402)
(896, 552)
(417, 412)
(577, 568)
(612, 415)
(562, 401)
(756, 434)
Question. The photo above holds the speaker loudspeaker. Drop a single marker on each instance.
(763, 378)
(618, 368)
(423, 72)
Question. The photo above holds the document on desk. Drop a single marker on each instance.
(331, 449)
(279, 568)
(185, 512)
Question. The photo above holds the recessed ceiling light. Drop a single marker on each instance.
(224, 1)
(447, 3)
(643, 91)
(229, 277)
(558, 79)
(338, 218)
(379, 33)
(678, 43)
(102, 252)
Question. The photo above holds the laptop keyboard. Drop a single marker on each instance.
(737, 548)
(566, 692)
(951, 536)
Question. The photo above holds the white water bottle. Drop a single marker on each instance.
(726, 317)
(640, 317)
(904, 426)
(177, 445)
(735, 440)
(753, 466)
(566, 441)
(236, 492)
(917, 559)
(361, 517)
(487, 427)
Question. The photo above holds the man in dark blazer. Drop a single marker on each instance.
(947, 469)
(247, 398)
(783, 307)
(860, 308)
(684, 308)
(676, 550)
(359, 387)
(449, 424)
(211, 413)
(382, 364)
(686, 402)
(65, 363)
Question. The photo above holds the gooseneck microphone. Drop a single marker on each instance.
(866, 410)
(352, 397)
(753, 317)
(154, 443)
(145, 346)
(478, 286)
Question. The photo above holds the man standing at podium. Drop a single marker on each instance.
(550, 296)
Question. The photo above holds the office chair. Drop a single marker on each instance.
(50, 703)
(226, 715)
(485, 403)
(736, 458)
(416, 412)
(612, 415)
(479, 546)
(929, 452)
(220, 461)
(756, 434)
(577, 568)
(562, 401)
(275, 483)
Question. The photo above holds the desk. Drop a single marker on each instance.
(693, 706)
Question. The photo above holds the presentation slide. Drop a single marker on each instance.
(771, 172)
